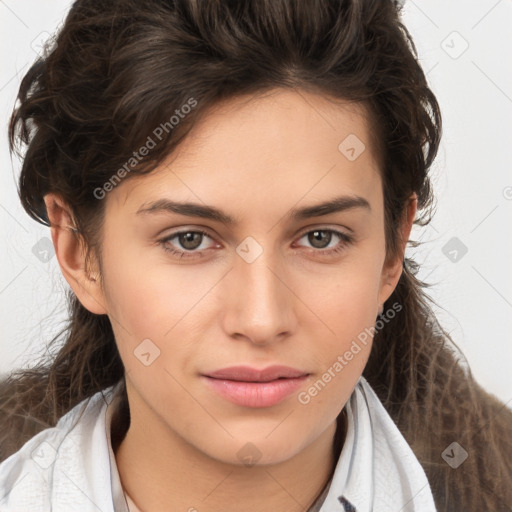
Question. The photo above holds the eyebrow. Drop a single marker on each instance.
(337, 204)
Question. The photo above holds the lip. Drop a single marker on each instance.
(250, 374)
(251, 387)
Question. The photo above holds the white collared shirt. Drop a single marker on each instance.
(72, 466)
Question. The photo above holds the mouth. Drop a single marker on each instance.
(250, 387)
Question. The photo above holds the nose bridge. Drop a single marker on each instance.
(262, 306)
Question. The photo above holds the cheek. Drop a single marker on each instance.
(149, 298)
(345, 307)
(162, 303)
(341, 352)
(345, 300)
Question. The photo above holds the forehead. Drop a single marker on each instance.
(299, 143)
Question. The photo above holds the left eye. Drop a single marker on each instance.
(191, 242)
(316, 238)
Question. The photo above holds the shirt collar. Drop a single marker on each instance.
(118, 497)
(377, 469)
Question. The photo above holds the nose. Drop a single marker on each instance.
(261, 307)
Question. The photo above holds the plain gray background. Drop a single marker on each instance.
(465, 48)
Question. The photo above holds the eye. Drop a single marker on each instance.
(189, 240)
(321, 238)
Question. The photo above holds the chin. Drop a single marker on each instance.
(250, 452)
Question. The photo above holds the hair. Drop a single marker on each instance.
(118, 69)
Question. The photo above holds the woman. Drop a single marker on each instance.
(230, 189)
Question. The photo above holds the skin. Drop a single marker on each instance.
(255, 159)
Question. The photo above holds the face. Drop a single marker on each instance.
(281, 283)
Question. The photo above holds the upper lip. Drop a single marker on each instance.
(249, 374)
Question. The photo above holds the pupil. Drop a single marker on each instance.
(187, 240)
(316, 236)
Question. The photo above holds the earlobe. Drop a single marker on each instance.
(70, 253)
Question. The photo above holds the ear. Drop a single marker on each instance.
(70, 251)
(392, 270)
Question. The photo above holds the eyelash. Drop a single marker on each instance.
(345, 238)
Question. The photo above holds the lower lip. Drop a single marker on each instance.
(256, 394)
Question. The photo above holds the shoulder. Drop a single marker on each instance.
(54, 462)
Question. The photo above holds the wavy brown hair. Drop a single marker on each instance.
(119, 68)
